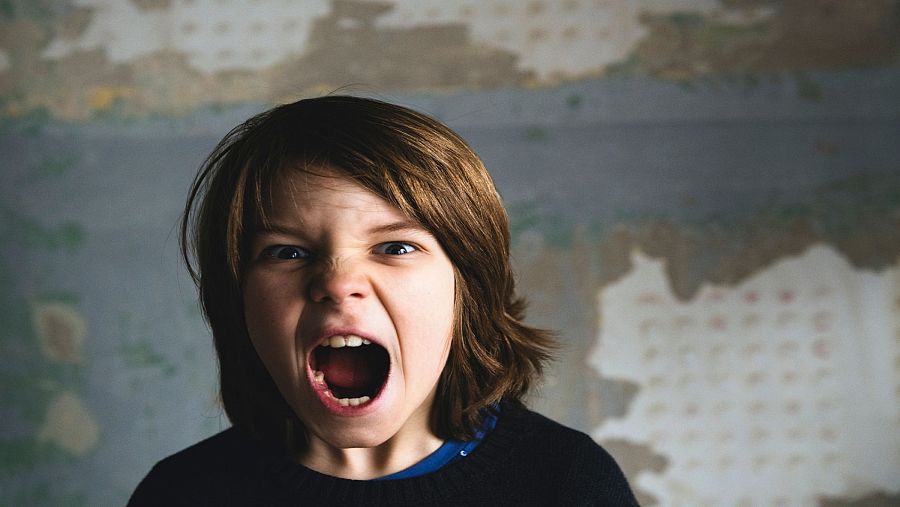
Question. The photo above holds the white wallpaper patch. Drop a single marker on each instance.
(776, 391)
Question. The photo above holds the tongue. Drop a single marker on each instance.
(347, 368)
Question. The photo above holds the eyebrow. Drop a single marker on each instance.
(398, 226)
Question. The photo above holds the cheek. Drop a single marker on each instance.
(257, 306)
(426, 325)
(268, 314)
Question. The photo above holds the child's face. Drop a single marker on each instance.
(341, 266)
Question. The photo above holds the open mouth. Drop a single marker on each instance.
(353, 368)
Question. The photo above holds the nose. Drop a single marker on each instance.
(337, 281)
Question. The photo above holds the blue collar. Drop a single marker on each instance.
(447, 453)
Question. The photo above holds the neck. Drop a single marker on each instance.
(364, 463)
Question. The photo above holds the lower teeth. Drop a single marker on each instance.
(345, 402)
(353, 402)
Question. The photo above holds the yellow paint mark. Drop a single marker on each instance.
(101, 98)
(69, 425)
(60, 329)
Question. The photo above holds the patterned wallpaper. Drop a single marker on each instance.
(704, 194)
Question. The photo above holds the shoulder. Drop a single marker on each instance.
(211, 453)
(546, 436)
(585, 473)
(190, 475)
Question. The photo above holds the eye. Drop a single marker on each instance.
(286, 252)
(395, 248)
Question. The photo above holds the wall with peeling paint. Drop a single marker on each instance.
(705, 201)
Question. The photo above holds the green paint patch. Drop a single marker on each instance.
(55, 166)
(841, 207)
(20, 454)
(687, 85)
(686, 20)
(70, 235)
(39, 10)
(113, 112)
(629, 67)
(217, 107)
(20, 493)
(31, 234)
(7, 11)
(30, 380)
(28, 394)
(44, 492)
(31, 124)
(807, 88)
(58, 296)
(574, 101)
(528, 216)
(713, 34)
(13, 311)
(536, 134)
(142, 355)
(138, 351)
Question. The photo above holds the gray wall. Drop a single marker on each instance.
(705, 200)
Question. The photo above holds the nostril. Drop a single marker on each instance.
(320, 296)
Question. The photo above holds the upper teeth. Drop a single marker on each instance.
(350, 340)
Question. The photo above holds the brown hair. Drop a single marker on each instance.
(411, 161)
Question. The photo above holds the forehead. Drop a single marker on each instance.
(312, 183)
(302, 194)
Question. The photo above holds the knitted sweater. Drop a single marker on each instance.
(526, 460)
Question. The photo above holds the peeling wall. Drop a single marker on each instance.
(704, 196)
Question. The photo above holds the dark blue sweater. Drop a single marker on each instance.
(526, 460)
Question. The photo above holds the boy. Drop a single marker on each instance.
(352, 258)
